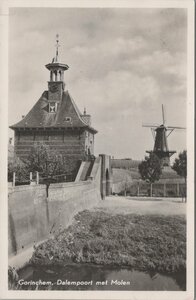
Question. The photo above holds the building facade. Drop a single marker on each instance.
(56, 121)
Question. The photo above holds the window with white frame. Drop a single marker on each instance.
(52, 107)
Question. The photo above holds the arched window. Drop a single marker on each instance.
(59, 75)
(55, 72)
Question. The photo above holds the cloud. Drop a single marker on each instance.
(116, 92)
(124, 63)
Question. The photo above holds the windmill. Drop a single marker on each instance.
(160, 134)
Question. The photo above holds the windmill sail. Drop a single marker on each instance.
(163, 115)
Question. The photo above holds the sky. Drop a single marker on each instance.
(124, 63)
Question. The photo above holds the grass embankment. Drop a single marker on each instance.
(121, 175)
(151, 242)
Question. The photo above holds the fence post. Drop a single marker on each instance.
(14, 179)
(31, 177)
(138, 189)
(178, 189)
(164, 189)
(37, 177)
(151, 190)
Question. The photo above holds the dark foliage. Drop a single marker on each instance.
(150, 169)
(20, 168)
(180, 164)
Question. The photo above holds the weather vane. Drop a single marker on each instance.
(57, 46)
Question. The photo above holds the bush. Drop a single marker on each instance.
(20, 168)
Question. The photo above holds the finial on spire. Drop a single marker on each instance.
(57, 46)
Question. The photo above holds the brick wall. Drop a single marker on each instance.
(71, 144)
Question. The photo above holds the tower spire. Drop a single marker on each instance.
(57, 47)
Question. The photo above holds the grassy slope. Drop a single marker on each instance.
(132, 166)
(133, 173)
(120, 175)
(153, 242)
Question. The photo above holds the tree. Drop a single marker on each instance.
(180, 166)
(50, 164)
(17, 166)
(150, 169)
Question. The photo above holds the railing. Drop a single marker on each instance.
(38, 178)
(158, 189)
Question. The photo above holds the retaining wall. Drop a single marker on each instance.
(33, 216)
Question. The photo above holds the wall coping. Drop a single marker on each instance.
(25, 187)
(70, 184)
(52, 185)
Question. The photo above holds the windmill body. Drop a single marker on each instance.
(161, 146)
(160, 135)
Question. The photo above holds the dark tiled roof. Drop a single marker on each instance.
(39, 117)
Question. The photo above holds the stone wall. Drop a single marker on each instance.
(33, 216)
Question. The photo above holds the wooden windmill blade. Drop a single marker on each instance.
(175, 127)
(170, 129)
(154, 125)
(163, 114)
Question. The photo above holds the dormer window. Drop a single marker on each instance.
(52, 107)
(68, 119)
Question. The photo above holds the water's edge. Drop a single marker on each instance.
(97, 277)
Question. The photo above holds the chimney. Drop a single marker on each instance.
(86, 118)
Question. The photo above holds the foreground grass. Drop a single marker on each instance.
(151, 242)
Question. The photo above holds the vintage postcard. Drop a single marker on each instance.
(97, 156)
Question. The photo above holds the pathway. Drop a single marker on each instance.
(144, 206)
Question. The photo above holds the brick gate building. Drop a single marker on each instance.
(56, 121)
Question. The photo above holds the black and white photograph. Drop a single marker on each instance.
(99, 150)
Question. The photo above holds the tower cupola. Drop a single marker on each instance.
(56, 83)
